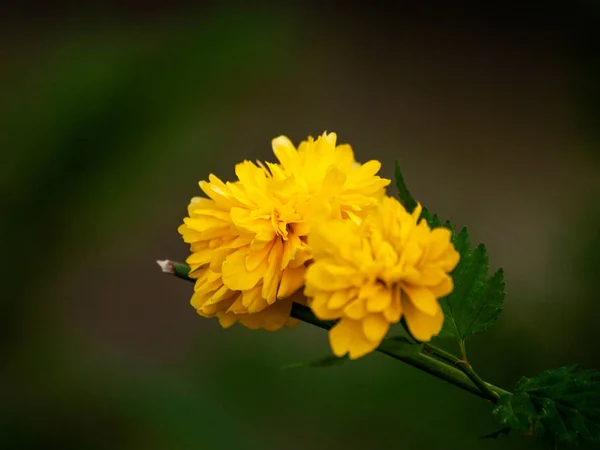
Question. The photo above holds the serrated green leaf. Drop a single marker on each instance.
(561, 404)
(404, 195)
(476, 300)
(326, 361)
(401, 346)
(433, 221)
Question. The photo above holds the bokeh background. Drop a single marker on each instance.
(111, 113)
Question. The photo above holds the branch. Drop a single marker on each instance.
(446, 371)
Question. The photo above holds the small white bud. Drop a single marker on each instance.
(166, 266)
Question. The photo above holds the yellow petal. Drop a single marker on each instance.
(318, 305)
(444, 288)
(367, 170)
(272, 275)
(253, 300)
(417, 212)
(340, 338)
(189, 236)
(218, 258)
(250, 221)
(259, 304)
(449, 259)
(271, 318)
(237, 307)
(356, 309)
(291, 246)
(379, 300)
(347, 337)
(249, 174)
(212, 310)
(325, 237)
(226, 319)
(394, 311)
(291, 281)
(223, 293)
(411, 254)
(200, 258)
(375, 327)
(422, 298)
(333, 182)
(285, 152)
(234, 273)
(340, 298)
(422, 326)
(257, 256)
(352, 216)
(205, 223)
(330, 277)
(345, 157)
(430, 276)
(199, 298)
(440, 239)
(302, 256)
(330, 138)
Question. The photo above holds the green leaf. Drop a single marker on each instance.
(434, 221)
(326, 361)
(405, 197)
(561, 404)
(476, 301)
(401, 346)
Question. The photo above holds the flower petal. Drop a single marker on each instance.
(285, 152)
(444, 288)
(253, 300)
(236, 276)
(378, 298)
(422, 298)
(340, 298)
(272, 275)
(330, 277)
(356, 309)
(256, 257)
(375, 327)
(271, 318)
(291, 281)
(226, 319)
(318, 304)
(394, 311)
(347, 337)
(422, 326)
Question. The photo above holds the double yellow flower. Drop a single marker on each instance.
(321, 220)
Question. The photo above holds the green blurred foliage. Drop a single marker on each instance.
(102, 130)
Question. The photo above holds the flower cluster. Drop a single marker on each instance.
(317, 219)
(248, 239)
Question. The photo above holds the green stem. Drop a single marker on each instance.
(466, 378)
(420, 360)
(463, 350)
(489, 390)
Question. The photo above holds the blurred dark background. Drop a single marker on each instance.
(111, 113)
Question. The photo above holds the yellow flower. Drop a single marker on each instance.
(371, 274)
(321, 168)
(248, 239)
